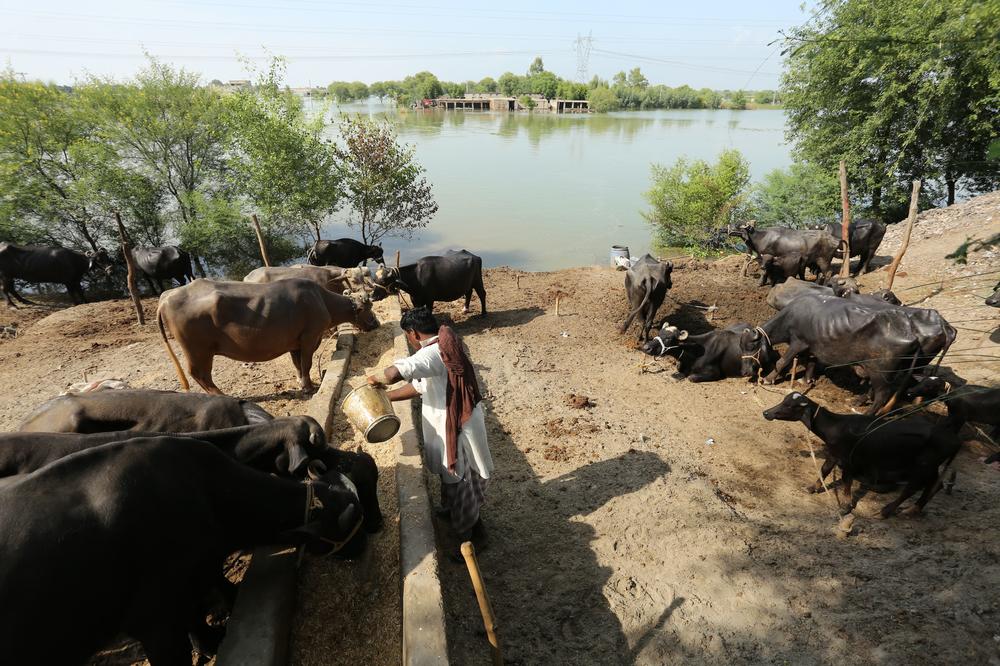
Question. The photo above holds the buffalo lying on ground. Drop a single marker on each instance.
(80, 536)
(142, 409)
(886, 341)
(163, 263)
(456, 274)
(710, 356)
(646, 285)
(333, 278)
(874, 451)
(816, 248)
(38, 264)
(781, 295)
(864, 237)
(254, 322)
(344, 252)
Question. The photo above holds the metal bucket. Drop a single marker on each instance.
(619, 251)
(370, 411)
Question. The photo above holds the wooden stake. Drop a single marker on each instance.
(910, 219)
(127, 253)
(557, 305)
(260, 240)
(518, 281)
(795, 369)
(485, 608)
(845, 221)
(397, 258)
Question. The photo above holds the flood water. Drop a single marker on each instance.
(543, 191)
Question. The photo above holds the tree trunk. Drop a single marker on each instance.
(951, 190)
(877, 202)
(127, 253)
(845, 222)
(260, 240)
(910, 219)
(198, 266)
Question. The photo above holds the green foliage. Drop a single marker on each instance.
(801, 196)
(527, 102)
(508, 84)
(602, 99)
(899, 90)
(278, 159)
(536, 67)
(221, 234)
(343, 91)
(384, 186)
(487, 85)
(738, 100)
(690, 201)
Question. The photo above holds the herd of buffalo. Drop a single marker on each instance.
(119, 508)
(110, 499)
(824, 325)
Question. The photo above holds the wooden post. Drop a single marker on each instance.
(127, 253)
(397, 258)
(260, 240)
(910, 219)
(485, 608)
(845, 221)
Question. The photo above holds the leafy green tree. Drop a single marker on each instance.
(738, 100)
(899, 90)
(487, 85)
(602, 99)
(384, 185)
(279, 160)
(545, 84)
(422, 85)
(536, 67)
(379, 89)
(527, 102)
(637, 80)
(570, 90)
(691, 200)
(508, 84)
(166, 126)
(802, 195)
(224, 237)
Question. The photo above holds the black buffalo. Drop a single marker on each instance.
(163, 263)
(646, 285)
(142, 409)
(710, 356)
(888, 342)
(38, 264)
(458, 273)
(289, 446)
(968, 402)
(864, 237)
(343, 252)
(775, 270)
(816, 248)
(130, 537)
(874, 451)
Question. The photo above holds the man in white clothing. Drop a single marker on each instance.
(455, 446)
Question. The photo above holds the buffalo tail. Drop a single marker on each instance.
(170, 351)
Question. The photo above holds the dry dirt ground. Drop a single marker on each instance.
(667, 523)
(664, 523)
(338, 601)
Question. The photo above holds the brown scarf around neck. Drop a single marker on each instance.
(462, 394)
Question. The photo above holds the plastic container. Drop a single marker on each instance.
(370, 411)
(619, 252)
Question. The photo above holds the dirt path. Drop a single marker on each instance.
(667, 523)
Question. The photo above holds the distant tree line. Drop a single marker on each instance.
(185, 163)
(625, 91)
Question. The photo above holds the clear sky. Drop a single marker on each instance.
(707, 43)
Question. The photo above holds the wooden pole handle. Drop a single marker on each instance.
(485, 608)
(260, 240)
(910, 219)
(845, 222)
(133, 292)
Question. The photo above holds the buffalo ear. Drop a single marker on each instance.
(298, 459)
(682, 335)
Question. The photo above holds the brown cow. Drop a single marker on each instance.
(337, 280)
(254, 322)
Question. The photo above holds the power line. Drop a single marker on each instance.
(320, 57)
(678, 63)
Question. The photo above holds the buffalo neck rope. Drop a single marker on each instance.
(337, 545)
